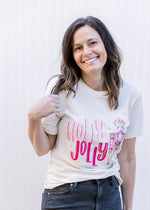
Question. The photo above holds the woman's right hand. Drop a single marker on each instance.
(47, 105)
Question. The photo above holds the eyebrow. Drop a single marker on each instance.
(77, 44)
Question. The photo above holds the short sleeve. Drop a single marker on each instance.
(135, 127)
(50, 122)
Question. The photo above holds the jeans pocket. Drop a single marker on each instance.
(60, 189)
(115, 182)
(57, 198)
(110, 183)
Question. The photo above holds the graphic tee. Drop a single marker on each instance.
(90, 134)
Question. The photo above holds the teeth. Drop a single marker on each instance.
(91, 60)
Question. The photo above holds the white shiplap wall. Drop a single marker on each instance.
(31, 32)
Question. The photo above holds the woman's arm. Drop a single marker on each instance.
(41, 141)
(127, 160)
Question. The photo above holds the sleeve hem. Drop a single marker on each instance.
(50, 132)
(134, 134)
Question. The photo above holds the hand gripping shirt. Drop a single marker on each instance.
(90, 134)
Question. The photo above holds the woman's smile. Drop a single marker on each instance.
(91, 60)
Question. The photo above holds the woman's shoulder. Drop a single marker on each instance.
(129, 88)
(51, 83)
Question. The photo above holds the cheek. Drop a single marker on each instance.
(76, 58)
(104, 53)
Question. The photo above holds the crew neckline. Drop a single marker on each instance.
(92, 91)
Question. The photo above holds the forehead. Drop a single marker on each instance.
(85, 33)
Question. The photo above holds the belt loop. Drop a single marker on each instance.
(75, 185)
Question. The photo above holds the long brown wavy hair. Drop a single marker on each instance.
(71, 73)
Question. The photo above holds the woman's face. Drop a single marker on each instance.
(89, 51)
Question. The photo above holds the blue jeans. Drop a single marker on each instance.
(101, 194)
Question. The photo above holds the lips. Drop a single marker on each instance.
(91, 60)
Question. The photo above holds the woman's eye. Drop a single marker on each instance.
(92, 43)
(77, 48)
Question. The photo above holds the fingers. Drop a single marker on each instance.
(56, 107)
(54, 98)
(55, 103)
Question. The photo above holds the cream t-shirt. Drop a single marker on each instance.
(90, 134)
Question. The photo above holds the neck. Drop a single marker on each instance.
(95, 83)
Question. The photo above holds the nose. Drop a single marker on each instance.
(86, 50)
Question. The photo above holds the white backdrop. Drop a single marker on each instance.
(31, 32)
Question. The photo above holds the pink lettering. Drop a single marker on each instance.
(77, 151)
(99, 128)
(103, 152)
(92, 133)
(99, 136)
(94, 156)
(87, 131)
(79, 131)
(71, 133)
(83, 148)
(88, 153)
(74, 131)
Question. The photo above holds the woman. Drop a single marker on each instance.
(89, 120)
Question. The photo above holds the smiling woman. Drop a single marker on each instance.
(88, 119)
(90, 39)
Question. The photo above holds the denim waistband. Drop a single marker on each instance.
(96, 181)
